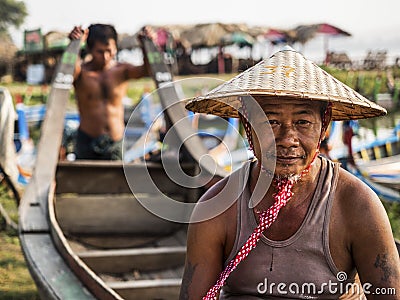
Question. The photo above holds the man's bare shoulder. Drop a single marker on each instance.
(214, 190)
(123, 65)
(353, 192)
(230, 186)
(130, 71)
(213, 205)
(357, 202)
(87, 69)
(219, 201)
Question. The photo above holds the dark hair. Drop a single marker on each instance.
(101, 33)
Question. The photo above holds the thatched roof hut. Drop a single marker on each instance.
(193, 36)
(56, 40)
(216, 34)
(304, 33)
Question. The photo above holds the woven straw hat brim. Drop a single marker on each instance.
(287, 74)
(227, 106)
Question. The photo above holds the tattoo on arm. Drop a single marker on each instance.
(381, 262)
(187, 281)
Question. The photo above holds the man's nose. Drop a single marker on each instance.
(287, 136)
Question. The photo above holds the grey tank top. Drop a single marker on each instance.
(300, 267)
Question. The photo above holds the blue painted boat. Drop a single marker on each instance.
(377, 163)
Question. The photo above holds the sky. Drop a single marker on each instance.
(374, 25)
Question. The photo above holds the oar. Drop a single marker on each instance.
(175, 111)
(33, 208)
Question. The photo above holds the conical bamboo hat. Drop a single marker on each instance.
(286, 74)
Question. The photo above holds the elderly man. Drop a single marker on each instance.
(314, 231)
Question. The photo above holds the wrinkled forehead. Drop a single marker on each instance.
(276, 103)
(286, 106)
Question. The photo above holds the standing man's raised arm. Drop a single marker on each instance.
(78, 33)
(136, 72)
(143, 70)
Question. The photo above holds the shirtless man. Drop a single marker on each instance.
(100, 84)
(331, 237)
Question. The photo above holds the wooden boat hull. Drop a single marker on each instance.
(385, 171)
(85, 216)
(53, 277)
(378, 165)
(94, 198)
(116, 248)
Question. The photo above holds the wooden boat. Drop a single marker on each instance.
(377, 163)
(100, 239)
(380, 148)
(53, 277)
(113, 244)
(83, 231)
(384, 171)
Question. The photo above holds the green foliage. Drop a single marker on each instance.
(16, 282)
(12, 13)
(137, 87)
(8, 202)
(393, 211)
(396, 71)
(367, 83)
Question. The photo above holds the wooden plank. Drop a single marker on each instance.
(179, 238)
(126, 260)
(165, 289)
(79, 243)
(96, 286)
(391, 163)
(52, 276)
(377, 152)
(111, 214)
(114, 241)
(32, 211)
(93, 177)
(175, 110)
(389, 150)
(364, 154)
(48, 147)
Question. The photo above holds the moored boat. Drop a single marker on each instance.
(83, 229)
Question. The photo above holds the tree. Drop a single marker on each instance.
(12, 13)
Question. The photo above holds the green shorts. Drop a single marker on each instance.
(101, 147)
